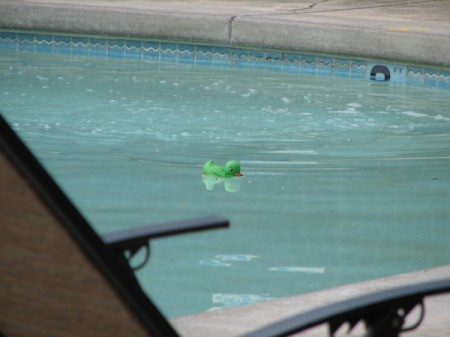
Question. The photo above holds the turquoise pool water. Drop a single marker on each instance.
(344, 180)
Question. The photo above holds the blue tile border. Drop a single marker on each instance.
(219, 56)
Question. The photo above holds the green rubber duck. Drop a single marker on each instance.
(231, 169)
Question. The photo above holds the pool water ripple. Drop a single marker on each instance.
(343, 180)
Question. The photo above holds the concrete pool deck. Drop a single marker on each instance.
(240, 320)
(407, 31)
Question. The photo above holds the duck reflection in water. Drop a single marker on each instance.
(232, 184)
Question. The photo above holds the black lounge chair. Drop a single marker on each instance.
(59, 278)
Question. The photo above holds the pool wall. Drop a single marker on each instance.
(221, 56)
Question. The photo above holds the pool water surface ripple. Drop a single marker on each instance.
(344, 180)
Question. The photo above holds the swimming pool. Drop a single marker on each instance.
(344, 180)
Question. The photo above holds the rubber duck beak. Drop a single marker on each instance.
(238, 174)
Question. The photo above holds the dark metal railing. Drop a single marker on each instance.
(384, 313)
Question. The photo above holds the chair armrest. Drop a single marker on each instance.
(137, 236)
(378, 311)
(132, 240)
